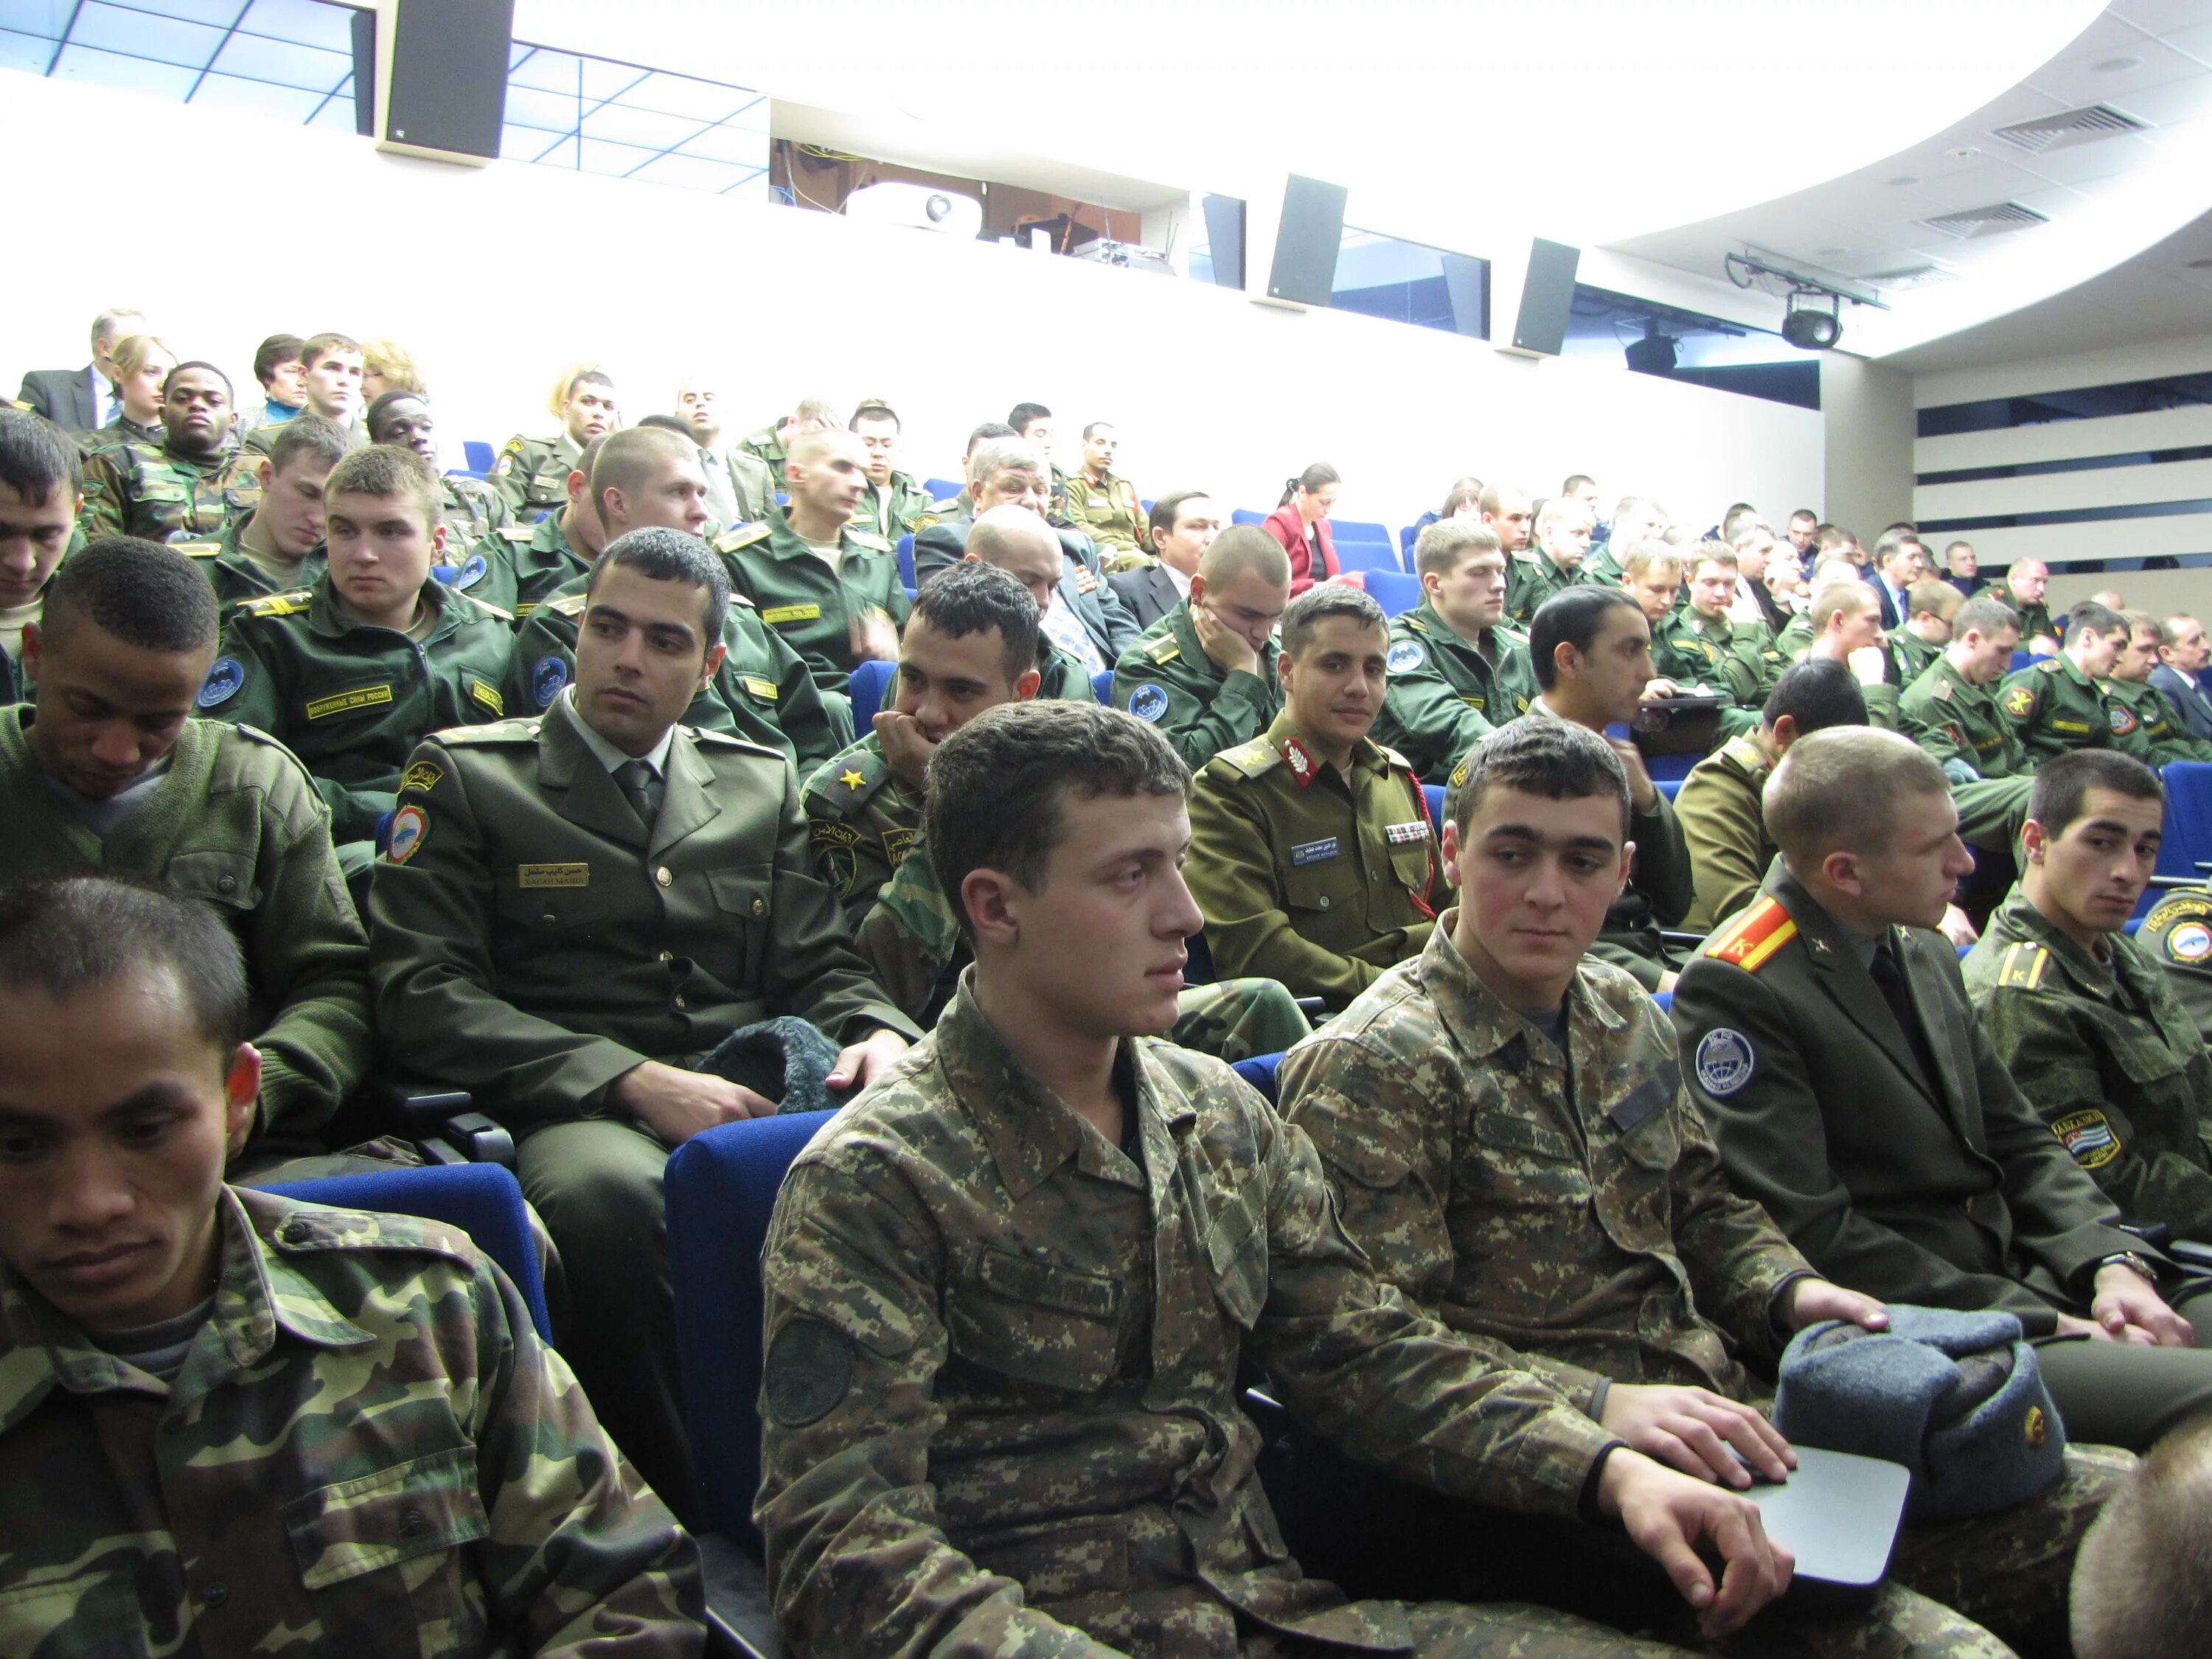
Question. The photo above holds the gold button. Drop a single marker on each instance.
(679, 1002)
(663, 876)
(668, 956)
(548, 920)
(760, 907)
(1324, 901)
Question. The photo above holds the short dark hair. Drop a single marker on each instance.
(273, 353)
(2093, 615)
(141, 592)
(1576, 480)
(374, 415)
(670, 555)
(1093, 427)
(987, 432)
(1807, 513)
(1557, 760)
(659, 422)
(996, 785)
(229, 391)
(2062, 783)
(309, 433)
(316, 347)
(874, 411)
(1985, 614)
(1317, 605)
(1162, 518)
(1019, 417)
(974, 597)
(35, 456)
(1817, 693)
(1574, 616)
(61, 935)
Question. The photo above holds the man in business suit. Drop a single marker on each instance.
(1829, 1038)
(1184, 526)
(83, 399)
(573, 912)
(2183, 652)
(1899, 560)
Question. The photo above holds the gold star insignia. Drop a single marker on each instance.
(851, 780)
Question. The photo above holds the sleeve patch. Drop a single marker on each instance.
(810, 1367)
(409, 825)
(2190, 942)
(221, 684)
(1725, 1062)
(1405, 656)
(2089, 1137)
(423, 776)
(1149, 701)
(2020, 700)
(546, 680)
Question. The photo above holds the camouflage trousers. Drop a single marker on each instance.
(1234, 1019)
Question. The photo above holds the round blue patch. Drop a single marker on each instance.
(222, 681)
(1149, 701)
(1725, 1062)
(1403, 655)
(471, 571)
(546, 680)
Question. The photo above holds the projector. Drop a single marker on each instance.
(1126, 254)
(924, 207)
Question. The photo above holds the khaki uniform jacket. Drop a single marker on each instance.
(1719, 807)
(235, 822)
(368, 1449)
(1571, 1207)
(1444, 695)
(1947, 1191)
(2107, 1053)
(1001, 1389)
(350, 700)
(1108, 513)
(533, 474)
(142, 489)
(1167, 679)
(1307, 875)
(532, 941)
(1952, 719)
(812, 609)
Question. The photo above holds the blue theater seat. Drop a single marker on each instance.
(1376, 556)
(1393, 590)
(942, 490)
(1259, 1073)
(1101, 686)
(1246, 515)
(906, 562)
(480, 457)
(869, 685)
(1433, 793)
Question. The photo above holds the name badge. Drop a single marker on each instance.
(1402, 833)
(764, 689)
(777, 614)
(1315, 852)
(553, 875)
(345, 703)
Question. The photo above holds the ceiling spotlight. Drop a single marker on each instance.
(1809, 327)
(1960, 152)
(2116, 65)
(1906, 179)
(1654, 354)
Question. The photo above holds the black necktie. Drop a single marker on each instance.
(1889, 979)
(640, 788)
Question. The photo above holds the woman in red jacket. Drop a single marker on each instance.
(1300, 523)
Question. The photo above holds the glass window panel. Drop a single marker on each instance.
(605, 78)
(217, 14)
(728, 143)
(337, 115)
(691, 173)
(45, 19)
(756, 177)
(679, 94)
(619, 124)
(22, 51)
(1406, 282)
(291, 104)
(599, 156)
(555, 71)
(163, 40)
(308, 22)
(109, 68)
(254, 58)
(550, 111)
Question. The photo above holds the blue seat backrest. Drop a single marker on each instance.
(1407, 536)
(2188, 824)
(1101, 685)
(1665, 999)
(1259, 1073)
(2020, 660)
(721, 1190)
(482, 456)
(942, 490)
(1368, 555)
(1669, 787)
(1664, 768)
(1393, 589)
(1246, 515)
(1434, 794)
(867, 685)
(482, 1199)
(1358, 530)
(906, 562)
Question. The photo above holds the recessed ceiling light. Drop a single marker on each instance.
(1960, 152)
(1906, 179)
(1833, 249)
(2199, 265)
(2116, 65)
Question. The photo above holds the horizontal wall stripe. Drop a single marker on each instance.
(2111, 435)
(2057, 543)
(2082, 464)
(2066, 492)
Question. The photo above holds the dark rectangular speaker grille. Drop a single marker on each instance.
(1306, 244)
(1546, 297)
(449, 75)
(1224, 238)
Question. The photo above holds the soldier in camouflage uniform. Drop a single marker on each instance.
(365, 1444)
(1456, 673)
(1205, 673)
(354, 671)
(1563, 541)
(187, 487)
(470, 508)
(1506, 1132)
(533, 473)
(2080, 1015)
(39, 502)
(893, 503)
(2158, 737)
(277, 545)
(231, 820)
(1104, 506)
(1006, 1317)
(2059, 704)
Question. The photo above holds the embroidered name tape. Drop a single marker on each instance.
(1315, 852)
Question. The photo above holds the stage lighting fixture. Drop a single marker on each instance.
(1807, 327)
(1655, 353)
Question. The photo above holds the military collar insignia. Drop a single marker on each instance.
(851, 780)
(1301, 761)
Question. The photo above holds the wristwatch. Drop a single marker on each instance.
(2129, 1259)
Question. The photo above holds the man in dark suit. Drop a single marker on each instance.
(1899, 560)
(2183, 652)
(1828, 1035)
(1184, 526)
(81, 399)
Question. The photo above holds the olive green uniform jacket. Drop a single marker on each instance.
(1001, 1392)
(767, 448)
(1316, 878)
(1952, 719)
(2054, 708)
(887, 513)
(520, 565)
(2105, 1051)
(234, 573)
(351, 701)
(258, 441)
(1531, 578)
(533, 474)
(1910, 655)
(533, 941)
(235, 823)
(1719, 807)
(2156, 737)
(812, 608)
(139, 490)
(1445, 695)
(1736, 658)
(864, 821)
(1947, 1191)
(368, 1449)
(2177, 935)
(1167, 679)
(1108, 512)
(2034, 619)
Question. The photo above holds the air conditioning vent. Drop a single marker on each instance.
(1992, 221)
(2063, 131)
(1913, 276)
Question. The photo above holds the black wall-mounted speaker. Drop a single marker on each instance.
(1546, 298)
(1306, 241)
(449, 75)
(1224, 238)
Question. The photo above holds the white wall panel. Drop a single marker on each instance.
(2120, 539)
(2066, 441)
(2057, 492)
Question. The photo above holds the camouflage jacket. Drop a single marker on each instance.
(368, 1446)
(864, 821)
(472, 510)
(1572, 1207)
(140, 489)
(1001, 1407)
(2105, 1052)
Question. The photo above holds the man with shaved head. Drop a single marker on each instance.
(1017, 541)
(1205, 673)
(2026, 584)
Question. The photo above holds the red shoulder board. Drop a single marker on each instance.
(1754, 937)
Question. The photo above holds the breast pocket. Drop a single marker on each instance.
(1036, 1321)
(386, 1551)
(548, 904)
(744, 898)
(223, 878)
(1235, 1245)
(1523, 1165)
(1315, 895)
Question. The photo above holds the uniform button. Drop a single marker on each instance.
(760, 907)
(215, 1594)
(293, 1233)
(411, 1524)
(680, 1003)
(548, 920)
(663, 875)
(226, 884)
(1324, 901)
(668, 956)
